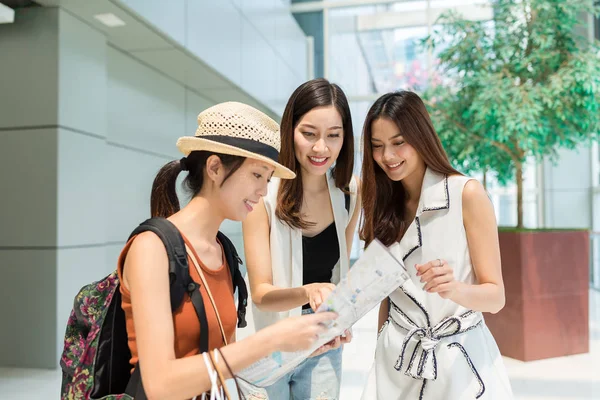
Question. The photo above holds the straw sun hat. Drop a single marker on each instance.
(240, 130)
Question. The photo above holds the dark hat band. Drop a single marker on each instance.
(250, 145)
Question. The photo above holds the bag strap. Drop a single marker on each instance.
(179, 276)
(134, 388)
(234, 261)
(215, 362)
(207, 288)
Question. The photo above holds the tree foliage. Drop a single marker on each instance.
(524, 84)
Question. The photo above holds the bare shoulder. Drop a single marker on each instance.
(474, 191)
(147, 252)
(146, 243)
(146, 257)
(476, 203)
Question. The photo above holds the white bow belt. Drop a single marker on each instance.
(425, 340)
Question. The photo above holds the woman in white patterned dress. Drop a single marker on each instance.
(433, 343)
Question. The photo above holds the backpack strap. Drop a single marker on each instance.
(179, 275)
(180, 283)
(234, 261)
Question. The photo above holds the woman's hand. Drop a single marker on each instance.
(335, 343)
(438, 277)
(316, 293)
(347, 337)
(300, 333)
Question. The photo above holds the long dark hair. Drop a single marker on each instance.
(164, 201)
(383, 200)
(312, 94)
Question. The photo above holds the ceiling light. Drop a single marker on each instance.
(7, 14)
(110, 20)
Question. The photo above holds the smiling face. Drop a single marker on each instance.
(391, 152)
(318, 139)
(243, 189)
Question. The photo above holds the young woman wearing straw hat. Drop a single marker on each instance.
(229, 163)
(297, 242)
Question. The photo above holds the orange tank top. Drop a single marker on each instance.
(185, 321)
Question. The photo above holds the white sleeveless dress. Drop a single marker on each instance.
(431, 348)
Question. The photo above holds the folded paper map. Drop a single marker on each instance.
(372, 278)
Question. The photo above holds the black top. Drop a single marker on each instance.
(320, 253)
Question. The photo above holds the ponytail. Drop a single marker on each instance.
(164, 201)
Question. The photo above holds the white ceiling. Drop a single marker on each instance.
(153, 48)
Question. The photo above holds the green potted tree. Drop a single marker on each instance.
(523, 85)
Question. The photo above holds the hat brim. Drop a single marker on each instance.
(187, 144)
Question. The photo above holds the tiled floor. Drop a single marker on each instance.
(566, 378)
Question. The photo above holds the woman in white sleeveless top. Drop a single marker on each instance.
(433, 343)
(297, 243)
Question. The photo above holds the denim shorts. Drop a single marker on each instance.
(316, 378)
